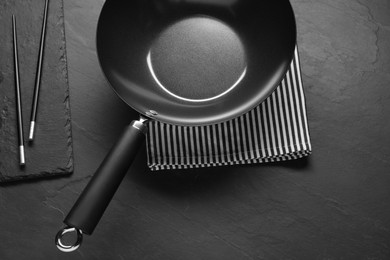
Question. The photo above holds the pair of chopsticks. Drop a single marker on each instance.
(37, 85)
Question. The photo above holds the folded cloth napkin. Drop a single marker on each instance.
(276, 130)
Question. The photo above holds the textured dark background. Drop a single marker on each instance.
(333, 205)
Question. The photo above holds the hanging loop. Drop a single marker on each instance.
(68, 248)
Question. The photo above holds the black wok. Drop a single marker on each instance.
(184, 62)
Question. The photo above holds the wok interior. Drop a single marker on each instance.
(197, 59)
(195, 62)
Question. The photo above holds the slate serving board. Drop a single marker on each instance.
(51, 152)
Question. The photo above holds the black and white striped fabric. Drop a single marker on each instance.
(276, 130)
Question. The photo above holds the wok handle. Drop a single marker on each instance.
(90, 206)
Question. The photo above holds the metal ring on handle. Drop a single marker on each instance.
(68, 248)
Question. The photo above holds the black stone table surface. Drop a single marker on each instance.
(332, 205)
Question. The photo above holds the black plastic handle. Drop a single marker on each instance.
(95, 198)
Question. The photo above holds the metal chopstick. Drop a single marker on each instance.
(18, 95)
(38, 75)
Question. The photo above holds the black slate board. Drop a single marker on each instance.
(51, 153)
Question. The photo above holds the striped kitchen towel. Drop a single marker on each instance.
(276, 130)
